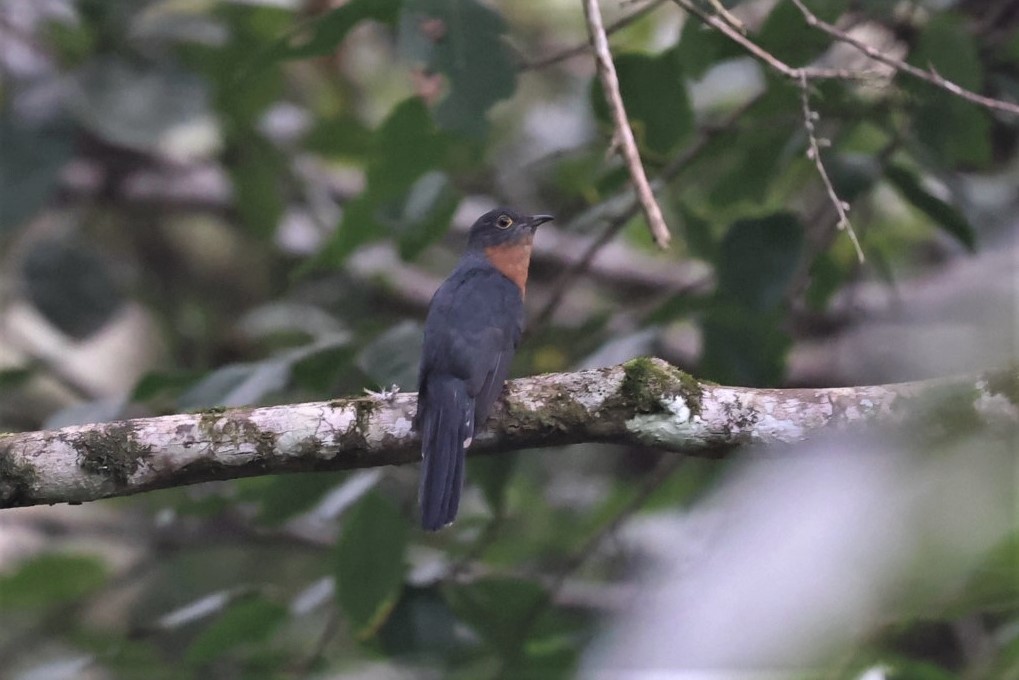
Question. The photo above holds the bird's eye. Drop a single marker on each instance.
(503, 222)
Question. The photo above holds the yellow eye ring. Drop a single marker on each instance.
(504, 222)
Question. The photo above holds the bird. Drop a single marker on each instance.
(473, 327)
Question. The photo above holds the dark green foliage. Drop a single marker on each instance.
(369, 563)
(251, 203)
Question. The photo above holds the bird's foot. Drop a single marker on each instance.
(386, 395)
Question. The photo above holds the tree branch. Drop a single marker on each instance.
(624, 133)
(643, 402)
(930, 76)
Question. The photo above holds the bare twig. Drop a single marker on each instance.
(814, 154)
(928, 75)
(764, 55)
(610, 83)
(728, 16)
(585, 47)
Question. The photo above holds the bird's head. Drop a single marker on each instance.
(504, 227)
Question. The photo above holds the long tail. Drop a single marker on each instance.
(446, 425)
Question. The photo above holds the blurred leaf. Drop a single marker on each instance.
(786, 35)
(405, 147)
(944, 214)
(236, 385)
(756, 160)
(281, 497)
(326, 32)
(463, 40)
(655, 98)
(492, 473)
(957, 131)
(342, 136)
(421, 624)
(156, 383)
(742, 347)
(826, 277)
(50, 579)
(70, 284)
(700, 48)
(30, 166)
(851, 174)
(103, 410)
(698, 235)
(320, 370)
(758, 259)
(370, 565)
(426, 213)
(497, 608)
(256, 173)
(392, 358)
(152, 109)
(248, 622)
(11, 378)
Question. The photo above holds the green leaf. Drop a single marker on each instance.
(742, 347)
(369, 563)
(463, 40)
(282, 497)
(421, 624)
(426, 213)
(343, 136)
(328, 31)
(71, 285)
(492, 474)
(758, 259)
(655, 98)
(956, 130)
(30, 166)
(756, 160)
(256, 175)
(786, 35)
(151, 109)
(320, 370)
(826, 276)
(497, 608)
(404, 148)
(11, 378)
(944, 214)
(700, 48)
(697, 234)
(248, 622)
(156, 383)
(392, 358)
(50, 579)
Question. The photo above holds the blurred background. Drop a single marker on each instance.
(227, 203)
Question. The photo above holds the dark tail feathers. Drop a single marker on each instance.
(446, 422)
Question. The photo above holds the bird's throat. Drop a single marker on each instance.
(512, 260)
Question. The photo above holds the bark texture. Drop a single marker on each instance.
(643, 402)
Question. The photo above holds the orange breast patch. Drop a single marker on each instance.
(512, 260)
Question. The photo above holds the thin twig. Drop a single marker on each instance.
(610, 83)
(928, 75)
(814, 153)
(728, 16)
(764, 55)
(585, 47)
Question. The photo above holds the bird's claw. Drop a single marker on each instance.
(384, 394)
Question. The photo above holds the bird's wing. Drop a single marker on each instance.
(472, 333)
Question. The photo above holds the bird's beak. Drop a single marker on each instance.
(538, 220)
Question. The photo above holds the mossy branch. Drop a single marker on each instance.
(643, 402)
